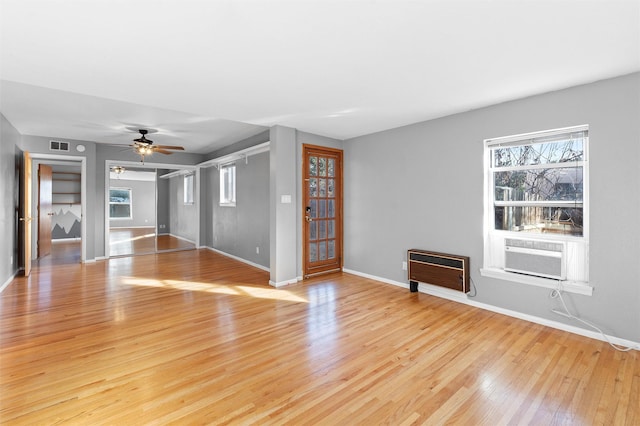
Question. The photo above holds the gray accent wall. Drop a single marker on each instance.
(239, 146)
(183, 218)
(421, 186)
(241, 229)
(9, 201)
(162, 211)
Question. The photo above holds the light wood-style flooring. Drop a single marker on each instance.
(193, 337)
(135, 241)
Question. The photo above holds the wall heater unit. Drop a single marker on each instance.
(535, 257)
(441, 269)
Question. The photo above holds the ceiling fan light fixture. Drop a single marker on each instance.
(118, 170)
(144, 149)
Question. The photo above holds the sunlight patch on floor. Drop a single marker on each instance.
(128, 240)
(235, 290)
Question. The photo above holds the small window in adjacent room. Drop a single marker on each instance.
(120, 203)
(536, 207)
(228, 185)
(188, 189)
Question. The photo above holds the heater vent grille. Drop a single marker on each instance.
(441, 269)
(58, 146)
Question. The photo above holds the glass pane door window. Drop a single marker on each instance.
(323, 217)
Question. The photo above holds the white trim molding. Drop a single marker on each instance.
(283, 283)
(568, 286)
(242, 154)
(239, 259)
(6, 283)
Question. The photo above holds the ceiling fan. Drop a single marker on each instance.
(144, 147)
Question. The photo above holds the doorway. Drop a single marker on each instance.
(146, 209)
(57, 200)
(322, 201)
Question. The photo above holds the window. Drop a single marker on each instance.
(188, 189)
(536, 192)
(538, 184)
(120, 203)
(228, 185)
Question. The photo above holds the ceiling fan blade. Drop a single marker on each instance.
(162, 151)
(178, 148)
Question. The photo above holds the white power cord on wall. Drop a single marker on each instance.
(557, 294)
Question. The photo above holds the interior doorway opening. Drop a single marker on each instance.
(58, 205)
(147, 210)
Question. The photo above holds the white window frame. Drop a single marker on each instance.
(227, 174)
(576, 253)
(188, 186)
(130, 203)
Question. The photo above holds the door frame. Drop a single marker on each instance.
(33, 197)
(340, 213)
(25, 210)
(108, 164)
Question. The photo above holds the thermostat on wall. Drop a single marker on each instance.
(80, 148)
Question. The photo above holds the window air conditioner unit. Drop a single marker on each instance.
(535, 257)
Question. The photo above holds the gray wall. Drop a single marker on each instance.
(183, 218)
(9, 201)
(239, 146)
(143, 203)
(421, 186)
(162, 185)
(239, 230)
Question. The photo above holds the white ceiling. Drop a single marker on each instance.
(208, 73)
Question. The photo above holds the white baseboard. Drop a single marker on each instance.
(181, 238)
(282, 283)
(6, 283)
(248, 262)
(457, 296)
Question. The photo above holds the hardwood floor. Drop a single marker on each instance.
(62, 251)
(195, 337)
(135, 241)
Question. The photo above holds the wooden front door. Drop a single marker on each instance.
(322, 205)
(26, 213)
(45, 209)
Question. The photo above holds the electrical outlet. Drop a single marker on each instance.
(404, 266)
(11, 260)
(257, 250)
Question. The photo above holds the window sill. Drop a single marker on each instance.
(227, 204)
(567, 286)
